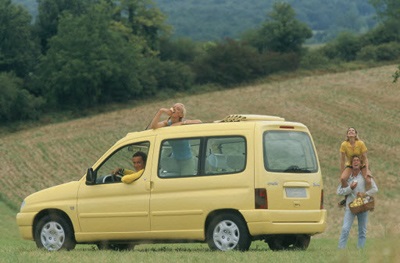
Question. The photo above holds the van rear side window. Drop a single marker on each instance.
(225, 155)
(289, 151)
(188, 157)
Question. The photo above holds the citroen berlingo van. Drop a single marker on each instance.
(225, 183)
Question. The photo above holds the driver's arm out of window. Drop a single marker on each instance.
(131, 176)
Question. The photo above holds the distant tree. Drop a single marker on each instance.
(49, 12)
(388, 31)
(16, 103)
(144, 19)
(344, 47)
(213, 20)
(282, 32)
(383, 52)
(31, 6)
(389, 13)
(18, 50)
(229, 62)
(91, 60)
(396, 75)
(173, 76)
(387, 9)
(182, 49)
(104, 52)
(141, 16)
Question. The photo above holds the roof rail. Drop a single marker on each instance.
(249, 117)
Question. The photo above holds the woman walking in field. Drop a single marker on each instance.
(350, 147)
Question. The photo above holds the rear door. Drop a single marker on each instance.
(289, 170)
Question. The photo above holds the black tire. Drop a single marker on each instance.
(52, 232)
(116, 247)
(276, 244)
(302, 242)
(289, 242)
(228, 232)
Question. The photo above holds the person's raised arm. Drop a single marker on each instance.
(186, 122)
(156, 123)
(192, 122)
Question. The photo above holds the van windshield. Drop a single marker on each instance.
(289, 152)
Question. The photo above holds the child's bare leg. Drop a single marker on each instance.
(345, 176)
(368, 181)
(343, 180)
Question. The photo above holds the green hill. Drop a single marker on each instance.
(216, 19)
(40, 157)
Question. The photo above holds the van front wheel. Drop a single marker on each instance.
(228, 232)
(53, 233)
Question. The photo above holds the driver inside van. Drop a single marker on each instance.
(129, 176)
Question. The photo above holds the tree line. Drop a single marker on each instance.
(214, 20)
(80, 54)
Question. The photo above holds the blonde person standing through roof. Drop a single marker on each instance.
(176, 116)
(181, 150)
(350, 147)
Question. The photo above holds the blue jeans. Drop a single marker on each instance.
(362, 228)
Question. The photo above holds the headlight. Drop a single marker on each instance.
(22, 205)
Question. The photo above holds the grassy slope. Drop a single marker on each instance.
(14, 249)
(33, 159)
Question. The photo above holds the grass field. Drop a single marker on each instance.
(37, 158)
(13, 249)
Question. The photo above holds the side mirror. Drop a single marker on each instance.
(91, 177)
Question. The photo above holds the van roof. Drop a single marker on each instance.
(242, 120)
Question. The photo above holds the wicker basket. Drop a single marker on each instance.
(365, 206)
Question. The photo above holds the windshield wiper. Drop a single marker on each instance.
(296, 169)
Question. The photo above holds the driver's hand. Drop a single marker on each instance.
(116, 171)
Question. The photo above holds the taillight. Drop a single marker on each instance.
(261, 198)
(322, 200)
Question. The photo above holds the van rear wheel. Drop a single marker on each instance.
(289, 242)
(115, 246)
(228, 232)
(302, 242)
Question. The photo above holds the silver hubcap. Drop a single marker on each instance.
(226, 235)
(52, 236)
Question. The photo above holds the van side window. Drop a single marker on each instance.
(289, 151)
(225, 155)
(179, 158)
(121, 158)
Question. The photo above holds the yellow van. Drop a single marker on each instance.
(226, 183)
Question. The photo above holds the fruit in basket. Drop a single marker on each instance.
(357, 202)
(366, 199)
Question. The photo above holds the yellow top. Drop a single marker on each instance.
(131, 176)
(358, 149)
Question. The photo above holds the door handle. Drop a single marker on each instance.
(149, 185)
